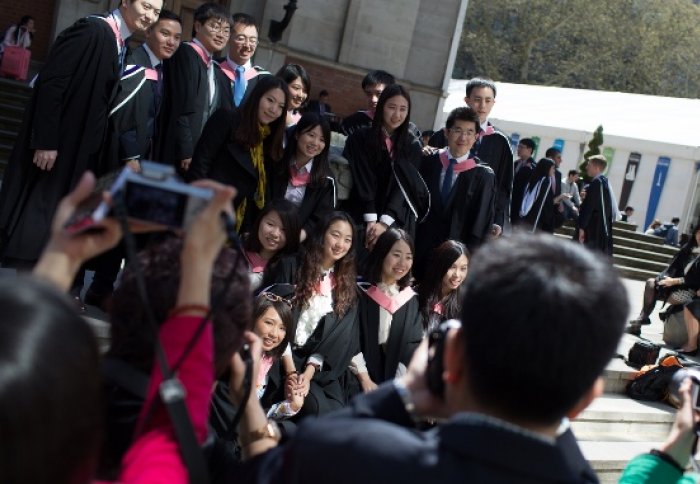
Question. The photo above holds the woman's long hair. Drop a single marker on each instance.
(375, 261)
(247, 133)
(321, 168)
(23, 23)
(430, 289)
(268, 299)
(541, 171)
(309, 273)
(290, 72)
(401, 138)
(289, 215)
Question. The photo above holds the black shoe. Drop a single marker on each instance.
(634, 329)
(641, 321)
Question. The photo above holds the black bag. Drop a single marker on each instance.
(643, 353)
(652, 385)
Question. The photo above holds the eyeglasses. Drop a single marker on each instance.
(218, 28)
(242, 39)
(459, 132)
(275, 298)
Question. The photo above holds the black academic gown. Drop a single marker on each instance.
(541, 213)
(219, 157)
(134, 111)
(318, 200)
(186, 105)
(68, 113)
(405, 335)
(468, 214)
(336, 338)
(378, 189)
(520, 179)
(596, 217)
(495, 151)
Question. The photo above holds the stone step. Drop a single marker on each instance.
(626, 237)
(10, 123)
(650, 255)
(11, 110)
(609, 459)
(613, 417)
(13, 98)
(8, 136)
(635, 273)
(638, 263)
(625, 226)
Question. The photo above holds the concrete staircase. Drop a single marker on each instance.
(13, 99)
(636, 255)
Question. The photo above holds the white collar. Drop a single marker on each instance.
(461, 159)
(484, 125)
(153, 58)
(196, 41)
(121, 24)
(245, 66)
(307, 167)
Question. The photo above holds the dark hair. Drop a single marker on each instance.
(528, 142)
(552, 152)
(167, 15)
(284, 310)
(290, 72)
(464, 113)
(323, 93)
(375, 261)
(243, 18)
(401, 137)
(377, 77)
(557, 311)
(430, 288)
(478, 82)
(309, 272)
(675, 220)
(630, 207)
(132, 340)
(248, 133)
(208, 11)
(289, 215)
(321, 167)
(573, 172)
(50, 412)
(541, 171)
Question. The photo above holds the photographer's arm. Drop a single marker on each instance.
(64, 253)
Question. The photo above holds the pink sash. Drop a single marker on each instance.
(111, 21)
(297, 179)
(201, 52)
(326, 285)
(151, 74)
(437, 308)
(390, 304)
(487, 131)
(257, 263)
(465, 165)
(248, 74)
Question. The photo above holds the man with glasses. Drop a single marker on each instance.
(522, 169)
(195, 86)
(462, 190)
(237, 66)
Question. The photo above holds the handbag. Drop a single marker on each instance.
(643, 353)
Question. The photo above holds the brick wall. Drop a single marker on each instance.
(344, 88)
(42, 11)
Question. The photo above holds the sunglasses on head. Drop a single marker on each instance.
(275, 298)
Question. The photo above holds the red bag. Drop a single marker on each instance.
(15, 63)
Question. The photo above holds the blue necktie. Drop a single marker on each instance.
(447, 181)
(239, 86)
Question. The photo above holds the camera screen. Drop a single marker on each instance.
(151, 204)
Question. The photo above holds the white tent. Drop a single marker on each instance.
(652, 126)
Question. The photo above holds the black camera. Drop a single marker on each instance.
(436, 351)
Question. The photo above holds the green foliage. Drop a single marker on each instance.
(642, 46)
(593, 149)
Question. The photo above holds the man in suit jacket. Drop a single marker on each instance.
(503, 408)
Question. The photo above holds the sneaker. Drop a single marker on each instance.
(634, 329)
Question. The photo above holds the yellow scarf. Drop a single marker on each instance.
(256, 153)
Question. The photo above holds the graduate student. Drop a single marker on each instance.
(236, 145)
(598, 210)
(304, 175)
(299, 88)
(195, 86)
(384, 158)
(522, 169)
(390, 324)
(325, 310)
(237, 66)
(65, 125)
(462, 190)
(537, 208)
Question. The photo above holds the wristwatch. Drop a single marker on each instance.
(268, 431)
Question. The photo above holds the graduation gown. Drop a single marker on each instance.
(494, 150)
(335, 338)
(405, 335)
(540, 214)
(383, 186)
(318, 199)
(596, 216)
(520, 179)
(219, 157)
(187, 107)
(68, 113)
(252, 76)
(468, 214)
(134, 110)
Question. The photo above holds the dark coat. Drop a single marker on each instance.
(186, 107)
(495, 151)
(541, 214)
(68, 113)
(596, 217)
(520, 180)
